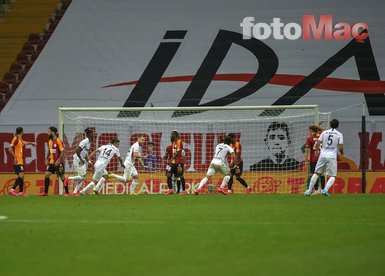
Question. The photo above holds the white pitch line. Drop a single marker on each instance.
(256, 222)
(3, 217)
(85, 221)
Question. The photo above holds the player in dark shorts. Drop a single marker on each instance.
(177, 163)
(238, 168)
(54, 161)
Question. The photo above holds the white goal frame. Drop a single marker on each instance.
(62, 110)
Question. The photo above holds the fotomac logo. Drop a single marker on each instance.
(325, 29)
(369, 83)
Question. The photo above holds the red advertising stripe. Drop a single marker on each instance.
(332, 84)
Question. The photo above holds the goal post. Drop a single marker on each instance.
(271, 139)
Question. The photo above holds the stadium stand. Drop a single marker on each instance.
(23, 33)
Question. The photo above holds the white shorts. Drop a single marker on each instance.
(129, 172)
(328, 165)
(222, 168)
(80, 169)
(100, 170)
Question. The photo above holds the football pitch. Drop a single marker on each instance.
(193, 235)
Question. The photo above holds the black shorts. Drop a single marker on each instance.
(58, 170)
(177, 170)
(18, 169)
(312, 167)
(237, 171)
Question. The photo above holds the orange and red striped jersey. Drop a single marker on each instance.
(18, 146)
(55, 148)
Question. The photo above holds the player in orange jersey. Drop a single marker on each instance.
(54, 160)
(16, 150)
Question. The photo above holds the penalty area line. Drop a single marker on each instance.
(86, 221)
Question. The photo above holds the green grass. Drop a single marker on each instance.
(193, 235)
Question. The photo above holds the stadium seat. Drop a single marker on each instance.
(46, 37)
(23, 59)
(40, 48)
(4, 91)
(34, 39)
(10, 79)
(28, 48)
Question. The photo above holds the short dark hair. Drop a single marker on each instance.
(115, 140)
(88, 130)
(19, 130)
(231, 135)
(227, 140)
(175, 133)
(275, 126)
(150, 143)
(53, 129)
(334, 123)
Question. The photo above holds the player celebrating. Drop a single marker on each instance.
(332, 142)
(177, 163)
(238, 169)
(16, 150)
(130, 171)
(106, 152)
(218, 165)
(80, 161)
(54, 160)
(311, 155)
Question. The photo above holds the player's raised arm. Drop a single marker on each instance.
(93, 154)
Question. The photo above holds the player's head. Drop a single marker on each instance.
(150, 145)
(19, 131)
(174, 135)
(115, 142)
(141, 139)
(313, 129)
(232, 136)
(334, 123)
(89, 133)
(52, 132)
(227, 140)
(277, 138)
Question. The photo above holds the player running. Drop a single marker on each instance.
(54, 160)
(177, 163)
(218, 165)
(16, 150)
(130, 171)
(332, 143)
(238, 168)
(80, 161)
(106, 152)
(311, 156)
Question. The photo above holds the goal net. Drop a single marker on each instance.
(272, 138)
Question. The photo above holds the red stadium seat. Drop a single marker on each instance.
(9, 79)
(4, 90)
(39, 48)
(22, 59)
(34, 39)
(15, 68)
(28, 48)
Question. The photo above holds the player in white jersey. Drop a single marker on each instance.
(135, 152)
(218, 165)
(332, 143)
(106, 152)
(80, 161)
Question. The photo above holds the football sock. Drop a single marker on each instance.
(183, 184)
(100, 184)
(91, 185)
(312, 182)
(230, 183)
(308, 182)
(118, 177)
(330, 183)
(78, 185)
(17, 183)
(202, 183)
(225, 181)
(21, 184)
(78, 177)
(46, 185)
(169, 183)
(243, 182)
(178, 184)
(322, 182)
(66, 187)
(133, 185)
